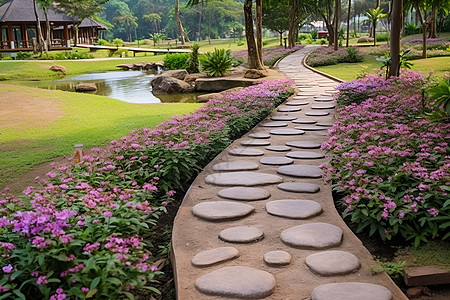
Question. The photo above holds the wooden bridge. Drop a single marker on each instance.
(135, 50)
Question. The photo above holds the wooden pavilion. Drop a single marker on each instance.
(88, 31)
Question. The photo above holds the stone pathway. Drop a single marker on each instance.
(259, 221)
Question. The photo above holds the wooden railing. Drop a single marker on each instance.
(26, 44)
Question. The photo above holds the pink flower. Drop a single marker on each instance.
(433, 211)
(85, 289)
(108, 214)
(41, 280)
(7, 269)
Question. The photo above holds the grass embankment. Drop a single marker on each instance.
(40, 125)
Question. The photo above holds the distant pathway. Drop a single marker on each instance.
(259, 221)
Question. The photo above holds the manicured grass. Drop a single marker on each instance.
(27, 139)
(420, 256)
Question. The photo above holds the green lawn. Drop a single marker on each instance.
(29, 138)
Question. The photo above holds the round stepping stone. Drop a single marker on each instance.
(331, 92)
(259, 135)
(278, 148)
(293, 209)
(310, 128)
(312, 236)
(235, 166)
(305, 171)
(255, 143)
(317, 113)
(221, 210)
(332, 84)
(283, 118)
(351, 291)
(323, 106)
(299, 187)
(276, 160)
(304, 144)
(305, 155)
(288, 109)
(304, 121)
(300, 97)
(241, 234)
(242, 179)
(274, 124)
(333, 262)
(296, 103)
(214, 256)
(277, 258)
(246, 152)
(287, 131)
(237, 282)
(324, 124)
(244, 193)
(323, 99)
(306, 94)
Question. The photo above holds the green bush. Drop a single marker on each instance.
(176, 61)
(313, 34)
(216, 63)
(193, 59)
(304, 36)
(382, 37)
(118, 42)
(23, 55)
(102, 42)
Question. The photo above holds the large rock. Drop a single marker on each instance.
(365, 39)
(255, 74)
(220, 84)
(125, 67)
(207, 97)
(58, 68)
(142, 65)
(168, 85)
(86, 87)
(178, 74)
(191, 78)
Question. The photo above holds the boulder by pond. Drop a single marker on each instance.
(58, 68)
(86, 87)
(178, 74)
(147, 66)
(169, 85)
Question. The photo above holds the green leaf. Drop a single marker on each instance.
(114, 280)
(19, 294)
(95, 282)
(91, 293)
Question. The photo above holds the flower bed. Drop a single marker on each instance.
(389, 164)
(88, 231)
(325, 56)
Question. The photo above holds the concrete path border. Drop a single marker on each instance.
(234, 239)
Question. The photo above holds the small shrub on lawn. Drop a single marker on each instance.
(88, 231)
(388, 162)
(176, 61)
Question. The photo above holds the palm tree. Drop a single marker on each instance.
(374, 15)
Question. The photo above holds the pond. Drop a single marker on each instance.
(128, 86)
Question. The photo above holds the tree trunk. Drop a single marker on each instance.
(48, 37)
(424, 31)
(396, 31)
(432, 23)
(253, 61)
(76, 33)
(374, 25)
(129, 34)
(337, 21)
(292, 23)
(199, 20)
(348, 21)
(180, 26)
(41, 42)
(281, 37)
(330, 30)
(259, 30)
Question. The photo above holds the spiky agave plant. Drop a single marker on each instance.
(216, 63)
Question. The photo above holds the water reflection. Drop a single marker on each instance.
(128, 86)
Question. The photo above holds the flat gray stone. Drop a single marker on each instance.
(332, 84)
(242, 179)
(255, 143)
(259, 135)
(294, 209)
(241, 234)
(283, 118)
(274, 124)
(237, 282)
(287, 131)
(278, 148)
(214, 256)
(244, 193)
(310, 128)
(304, 121)
(323, 106)
(221, 210)
(300, 97)
(351, 291)
(333, 262)
(277, 258)
(331, 91)
(304, 171)
(276, 160)
(305, 155)
(317, 113)
(299, 187)
(288, 109)
(235, 166)
(324, 124)
(304, 144)
(297, 103)
(306, 94)
(246, 152)
(312, 236)
(323, 99)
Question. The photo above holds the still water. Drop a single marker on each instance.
(128, 86)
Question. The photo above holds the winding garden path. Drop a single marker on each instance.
(259, 221)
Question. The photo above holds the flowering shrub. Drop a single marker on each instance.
(270, 55)
(390, 165)
(325, 56)
(88, 230)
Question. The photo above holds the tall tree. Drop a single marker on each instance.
(127, 20)
(253, 56)
(396, 31)
(420, 6)
(180, 26)
(259, 29)
(348, 21)
(274, 16)
(374, 15)
(42, 46)
(45, 4)
(337, 23)
(155, 19)
(293, 23)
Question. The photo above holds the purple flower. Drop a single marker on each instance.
(7, 269)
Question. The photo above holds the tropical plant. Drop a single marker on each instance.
(411, 28)
(403, 63)
(193, 59)
(440, 99)
(374, 15)
(216, 63)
